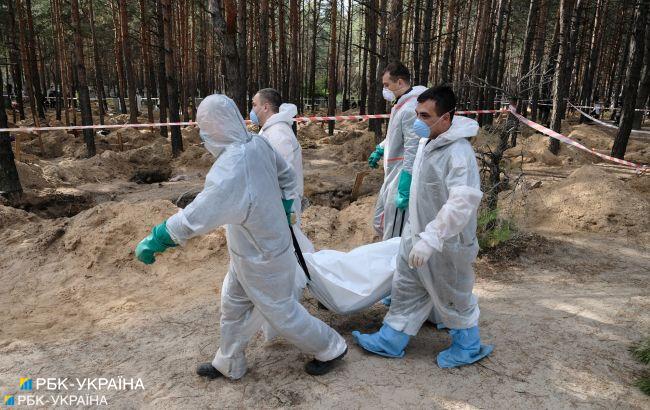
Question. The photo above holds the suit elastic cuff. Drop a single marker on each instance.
(432, 239)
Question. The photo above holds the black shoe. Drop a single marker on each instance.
(318, 368)
(207, 370)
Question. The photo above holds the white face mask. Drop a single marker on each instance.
(388, 94)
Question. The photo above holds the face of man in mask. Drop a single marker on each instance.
(429, 123)
(261, 111)
(393, 89)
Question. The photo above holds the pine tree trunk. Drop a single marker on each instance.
(9, 181)
(119, 61)
(312, 63)
(426, 42)
(540, 37)
(526, 77)
(395, 30)
(264, 43)
(346, 60)
(632, 76)
(331, 71)
(33, 62)
(363, 86)
(82, 86)
(644, 85)
(294, 69)
(172, 83)
(560, 81)
(128, 68)
(243, 58)
(446, 69)
(163, 98)
(146, 54)
(284, 75)
(14, 56)
(99, 78)
(373, 125)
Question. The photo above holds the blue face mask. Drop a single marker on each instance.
(254, 117)
(421, 129)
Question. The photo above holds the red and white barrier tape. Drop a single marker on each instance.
(639, 168)
(186, 123)
(604, 124)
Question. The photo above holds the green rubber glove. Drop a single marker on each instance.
(376, 155)
(157, 241)
(403, 190)
(288, 205)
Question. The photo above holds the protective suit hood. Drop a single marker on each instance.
(461, 127)
(285, 114)
(221, 123)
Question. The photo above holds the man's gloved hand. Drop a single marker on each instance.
(288, 210)
(157, 241)
(420, 254)
(403, 190)
(376, 155)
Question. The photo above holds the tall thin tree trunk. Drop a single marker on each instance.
(294, 70)
(426, 42)
(14, 56)
(172, 83)
(264, 43)
(146, 54)
(632, 76)
(374, 125)
(163, 99)
(128, 68)
(331, 71)
(525, 77)
(82, 86)
(9, 181)
(560, 80)
(644, 85)
(33, 62)
(243, 58)
(395, 30)
(446, 69)
(99, 78)
(540, 37)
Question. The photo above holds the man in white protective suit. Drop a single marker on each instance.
(439, 244)
(275, 120)
(246, 190)
(398, 149)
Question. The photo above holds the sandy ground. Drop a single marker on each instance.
(562, 312)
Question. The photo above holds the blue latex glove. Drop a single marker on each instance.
(376, 156)
(466, 348)
(157, 241)
(288, 210)
(403, 190)
(388, 342)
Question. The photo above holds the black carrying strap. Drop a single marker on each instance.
(298, 252)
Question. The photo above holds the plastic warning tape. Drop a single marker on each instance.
(604, 124)
(639, 168)
(186, 123)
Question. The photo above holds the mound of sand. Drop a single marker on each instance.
(32, 176)
(151, 159)
(99, 272)
(590, 199)
(343, 230)
(193, 157)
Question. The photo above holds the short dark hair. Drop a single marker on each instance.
(444, 97)
(397, 70)
(271, 97)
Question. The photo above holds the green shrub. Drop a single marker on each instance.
(641, 351)
(492, 230)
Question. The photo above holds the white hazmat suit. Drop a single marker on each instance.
(400, 147)
(243, 191)
(445, 195)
